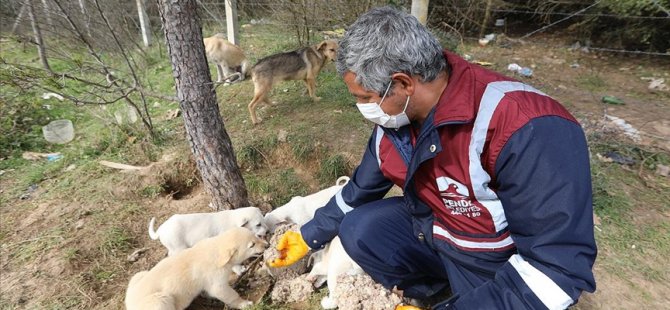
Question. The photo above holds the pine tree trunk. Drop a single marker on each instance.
(206, 133)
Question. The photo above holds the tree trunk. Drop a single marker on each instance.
(487, 14)
(420, 10)
(144, 22)
(18, 18)
(41, 51)
(232, 23)
(206, 133)
(85, 16)
(47, 13)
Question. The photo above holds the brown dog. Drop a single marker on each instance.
(231, 64)
(176, 280)
(303, 64)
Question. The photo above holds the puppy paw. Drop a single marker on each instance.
(328, 303)
(239, 269)
(317, 98)
(243, 304)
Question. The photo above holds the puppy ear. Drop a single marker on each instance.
(310, 260)
(321, 46)
(226, 256)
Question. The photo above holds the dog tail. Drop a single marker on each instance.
(152, 233)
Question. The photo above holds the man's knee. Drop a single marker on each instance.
(350, 234)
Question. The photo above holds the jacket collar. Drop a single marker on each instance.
(456, 104)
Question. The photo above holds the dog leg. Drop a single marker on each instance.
(252, 108)
(261, 91)
(228, 295)
(311, 88)
(220, 73)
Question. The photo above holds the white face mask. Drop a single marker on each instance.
(374, 113)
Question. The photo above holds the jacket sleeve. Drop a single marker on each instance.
(367, 184)
(544, 183)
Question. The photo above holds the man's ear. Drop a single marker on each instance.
(407, 83)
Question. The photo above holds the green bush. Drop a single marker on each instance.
(332, 168)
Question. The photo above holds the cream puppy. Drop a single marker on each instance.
(229, 58)
(300, 210)
(182, 231)
(330, 263)
(176, 280)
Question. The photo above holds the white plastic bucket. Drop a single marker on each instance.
(59, 131)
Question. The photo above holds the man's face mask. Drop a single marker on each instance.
(374, 113)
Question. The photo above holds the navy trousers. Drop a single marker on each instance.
(378, 236)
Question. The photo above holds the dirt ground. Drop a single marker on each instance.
(54, 254)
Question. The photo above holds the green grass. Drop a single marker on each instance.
(591, 82)
(322, 138)
(32, 248)
(62, 303)
(114, 240)
(624, 204)
(332, 168)
(278, 185)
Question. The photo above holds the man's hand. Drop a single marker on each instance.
(402, 306)
(291, 249)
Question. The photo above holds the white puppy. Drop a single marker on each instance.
(176, 280)
(330, 263)
(182, 231)
(300, 210)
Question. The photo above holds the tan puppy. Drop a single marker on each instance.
(176, 280)
(228, 57)
(303, 64)
(182, 231)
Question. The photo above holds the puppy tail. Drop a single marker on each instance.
(152, 233)
(341, 179)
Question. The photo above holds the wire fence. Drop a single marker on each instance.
(214, 12)
(308, 16)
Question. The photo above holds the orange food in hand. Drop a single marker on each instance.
(291, 248)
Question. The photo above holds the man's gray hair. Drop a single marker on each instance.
(384, 41)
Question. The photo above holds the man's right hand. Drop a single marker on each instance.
(402, 306)
(291, 248)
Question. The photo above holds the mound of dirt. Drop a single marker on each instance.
(292, 290)
(360, 292)
(352, 291)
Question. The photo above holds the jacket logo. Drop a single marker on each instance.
(449, 187)
(456, 197)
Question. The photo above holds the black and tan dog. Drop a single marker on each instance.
(303, 64)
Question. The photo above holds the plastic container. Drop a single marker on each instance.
(59, 131)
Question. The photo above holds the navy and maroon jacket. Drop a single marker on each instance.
(497, 179)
